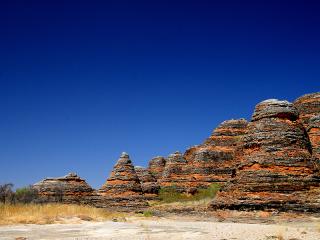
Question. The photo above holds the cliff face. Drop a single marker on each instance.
(275, 163)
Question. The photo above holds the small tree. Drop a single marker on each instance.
(6, 193)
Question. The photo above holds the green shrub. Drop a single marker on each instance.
(26, 195)
(170, 194)
(148, 213)
(207, 193)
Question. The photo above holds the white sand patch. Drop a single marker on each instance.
(167, 229)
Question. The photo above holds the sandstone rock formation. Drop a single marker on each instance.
(156, 166)
(68, 189)
(272, 162)
(275, 168)
(149, 184)
(123, 188)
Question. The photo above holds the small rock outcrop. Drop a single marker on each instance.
(149, 184)
(68, 189)
(275, 171)
(156, 166)
(123, 188)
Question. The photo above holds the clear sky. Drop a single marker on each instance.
(82, 81)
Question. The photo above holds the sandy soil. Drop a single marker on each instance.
(163, 228)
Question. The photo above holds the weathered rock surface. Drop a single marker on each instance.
(313, 131)
(210, 162)
(68, 189)
(275, 168)
(175, 172)
(156, 166)
(213, 161)
(309, 109)
(123, 188)
(308, 106)
(149, 184)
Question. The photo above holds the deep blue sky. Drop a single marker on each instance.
(82, 81)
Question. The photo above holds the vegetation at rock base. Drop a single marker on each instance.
(26, 195)
(170, 194)
(21, 195)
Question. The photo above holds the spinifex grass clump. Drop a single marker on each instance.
(170, 194)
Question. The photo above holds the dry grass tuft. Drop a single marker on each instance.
(52, 213)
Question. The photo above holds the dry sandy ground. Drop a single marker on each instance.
(162, 228)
